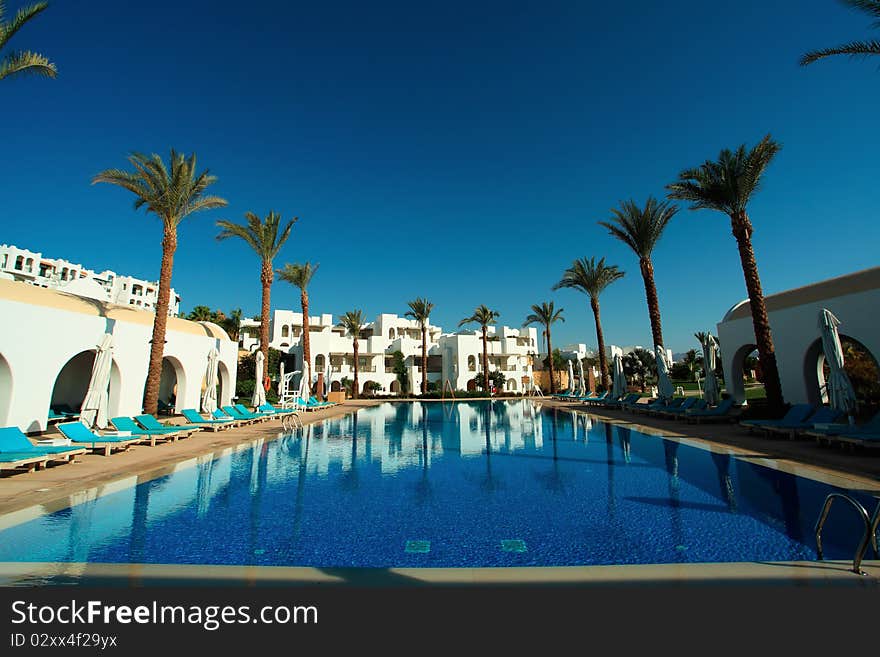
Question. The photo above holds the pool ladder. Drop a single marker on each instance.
(868, 537)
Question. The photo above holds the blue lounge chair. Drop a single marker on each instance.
(823, 415)
(147, 421)
(859, 438)
(19, 460)
(690, 403)
(192, 415)
(595, 399)
(630, 398)
(219, 414)
(726, 411)
(269, 410)
(13, 441)
(80, 434)
(659, 405)
(247, 416)
(826, 432)
(128, 424)
(797, 413)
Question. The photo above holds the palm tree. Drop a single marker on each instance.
(264, 237)
(233, 324)
(200, 314)
(854, 48)
(25, 61)
(546, 314)
(592, 277)
(300, 275)
(485, 318)
(172, 196)
(420, 310)
(727, 185)
(640, 229)
(352, 321)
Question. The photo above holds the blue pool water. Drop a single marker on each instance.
(454, 484)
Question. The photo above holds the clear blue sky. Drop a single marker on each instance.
(456, 150)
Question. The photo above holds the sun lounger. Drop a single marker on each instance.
(859, 439)
(147, 421)
(150, 436)
(797, 413)
(18, 460)
(80, 434)
(659, 405)
(13, 441)
(218, 414)
(726, 411)
(247, 416)
(192, 415)
(269, 410)
(691, 403)
(823, 415)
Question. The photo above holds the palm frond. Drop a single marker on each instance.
(16, 63)
(352, 321)
(22, 16)
(420, 310)
(260, 234)
(545, 314)
(482, 316)
(589, 276)
(298, 275)
(852, 49)
(640, 228)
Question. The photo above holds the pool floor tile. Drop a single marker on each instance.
(417, 547)
(514, 545)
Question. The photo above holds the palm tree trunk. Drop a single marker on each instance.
(647, 268)
(742, 230)
(424, 360)
(354, 385)
(266, 280)
(485, 360)
(600, 339)
(306, 347)
(157, 344)
(552, 373)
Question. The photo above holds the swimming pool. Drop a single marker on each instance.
(464, 484)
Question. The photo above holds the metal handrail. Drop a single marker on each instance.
(870, 535)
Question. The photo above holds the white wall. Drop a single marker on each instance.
(36, 341)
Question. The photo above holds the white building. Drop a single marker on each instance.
(48, 340)
(32, 267)
(794, 321)
(453, 357)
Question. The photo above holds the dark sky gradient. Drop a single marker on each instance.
(460, 151)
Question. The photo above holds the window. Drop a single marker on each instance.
(472, 364)
(19, 263)
(320, 363)
(391, 334)
(29, 265)
(285, 331)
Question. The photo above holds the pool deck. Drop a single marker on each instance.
(27, 495)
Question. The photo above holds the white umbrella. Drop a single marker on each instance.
(282, 384)
(305, 383)
(570, 377)
(665, 389)
(618, 380)
(209, 398)
(259, 397)
(841, 395)
(710, 383)
(94, 406)
(583, 384)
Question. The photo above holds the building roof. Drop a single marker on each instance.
(20, 292)
(860, 281)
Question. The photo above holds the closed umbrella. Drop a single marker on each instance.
(305, 383)
(665, 389)
(94, 406)
(841, 395)
(282, 383)
(710, 384)
(209, 398)
(259, 397)
(618, 381)
(583, 387)
(570, 377)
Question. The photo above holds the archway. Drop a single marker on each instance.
(335, 386)
(225, 392)
(395, 387)
(511, 385)
(5, 391)
(472, 364)
(172, 384)
(860, 365)
(745, 370)
(369, 388)
(72, 384)
(320, 363)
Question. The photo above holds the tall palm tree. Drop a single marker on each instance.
(485, 318)
(16, 63)
(727, 185)
(352, 321)
(640, 229)
(233, 324)
(420, 310)
(265, 237)
(172, 195)
(200, 314)
(853, 48)
(300, 275)
(546, 315)
(592, 277)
